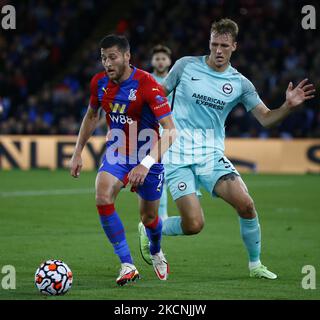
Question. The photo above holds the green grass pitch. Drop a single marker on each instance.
(45, 214)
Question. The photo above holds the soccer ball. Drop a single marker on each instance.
(53, 277)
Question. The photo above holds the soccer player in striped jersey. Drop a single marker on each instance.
(206, 89)
(134, 104)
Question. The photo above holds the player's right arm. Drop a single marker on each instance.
(88, 125)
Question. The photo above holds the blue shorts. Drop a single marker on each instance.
(153, 184)
(184, 179)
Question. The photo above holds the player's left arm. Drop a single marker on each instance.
(294, 97)
(168, 136)
(158, 103)
(138, 174)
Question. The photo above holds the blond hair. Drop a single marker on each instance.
(225, 26)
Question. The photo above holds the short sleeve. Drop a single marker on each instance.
(173, 78)
(94, 101)
(249, 97)
(156, 98)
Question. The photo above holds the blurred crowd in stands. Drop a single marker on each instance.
(46, 64)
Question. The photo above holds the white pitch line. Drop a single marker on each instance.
(54, 192)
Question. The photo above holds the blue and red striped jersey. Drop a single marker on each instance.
(132, 106)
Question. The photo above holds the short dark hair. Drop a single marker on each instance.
(225, 26)
(160, 48)
(114, 40)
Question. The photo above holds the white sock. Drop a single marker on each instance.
(254, 264)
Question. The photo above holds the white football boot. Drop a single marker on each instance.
(160, 265)
(128, 273)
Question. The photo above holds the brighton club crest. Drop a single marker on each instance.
(227, 88)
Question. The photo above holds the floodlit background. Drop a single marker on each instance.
(48, 61)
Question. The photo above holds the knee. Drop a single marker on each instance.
(246, 209)
(192, 227)
(103, 199)
(146, 219)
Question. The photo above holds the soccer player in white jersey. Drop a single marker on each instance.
(206, 89)
(161, 62)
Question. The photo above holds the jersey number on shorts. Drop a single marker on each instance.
(160, 177)
(226, 163)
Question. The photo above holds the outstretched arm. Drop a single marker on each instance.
(88, 125)
(294, 97)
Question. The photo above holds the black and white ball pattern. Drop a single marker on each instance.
(53, 277)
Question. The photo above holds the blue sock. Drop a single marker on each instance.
(172, 226)
(163, 204)
(114, 230)
(154, 234)
(251, 236)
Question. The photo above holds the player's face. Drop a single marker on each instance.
(115, 62)
(221, 48)
(160, 62)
